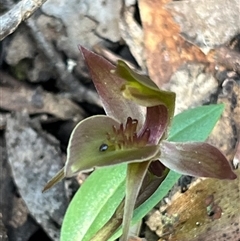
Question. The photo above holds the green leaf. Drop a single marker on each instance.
(94, 203)
(195, 124)
(148, 205)
(181, 130)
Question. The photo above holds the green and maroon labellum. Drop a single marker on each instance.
(101, 141)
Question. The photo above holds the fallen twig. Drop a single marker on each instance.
(18, 13)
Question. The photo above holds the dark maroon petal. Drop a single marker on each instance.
(196, 159)
(156, 121)
(157, 168)
(109, 86)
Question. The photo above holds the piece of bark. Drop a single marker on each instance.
(35, 157)
(132, 34)
(15, 215)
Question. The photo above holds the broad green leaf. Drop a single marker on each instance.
(195, 124)
(143, 91)
(197, 159)
(94, 203)
(109, 89)
(180, 130)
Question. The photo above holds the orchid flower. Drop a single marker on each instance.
(134, 131)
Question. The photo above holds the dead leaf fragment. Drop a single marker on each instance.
(98, 20)
(19, 48)
(226, 57)
(165, 49)
(193, 222)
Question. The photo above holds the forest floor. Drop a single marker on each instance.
(191, 48)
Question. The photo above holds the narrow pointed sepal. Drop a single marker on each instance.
(195, 159)
(57, 178)
(135, 176)
(108, 87)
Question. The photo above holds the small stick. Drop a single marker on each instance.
(18, 13)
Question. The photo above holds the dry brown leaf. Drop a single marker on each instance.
(165, 49)
(192, 209)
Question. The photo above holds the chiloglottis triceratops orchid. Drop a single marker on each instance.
(134, 131)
